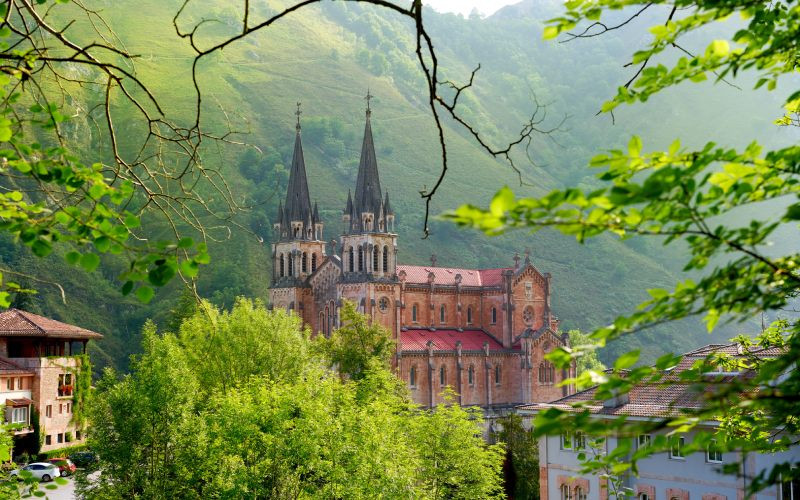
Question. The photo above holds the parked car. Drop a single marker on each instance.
(42, 471)
(83, 458)
(65, 465)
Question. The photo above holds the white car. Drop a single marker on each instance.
(40, 470)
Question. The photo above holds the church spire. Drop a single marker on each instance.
(368, 185)
(297, 210)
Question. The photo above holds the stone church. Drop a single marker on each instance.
(482, 332)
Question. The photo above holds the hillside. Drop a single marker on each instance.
(327, 57)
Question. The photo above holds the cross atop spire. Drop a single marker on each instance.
(298, 113)
(367, 98)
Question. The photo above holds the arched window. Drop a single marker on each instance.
(350, 254)
(291, 264)
(494, 315)
(304, 263)
(296, 232)
(497, 374)
(471, 375)
(579, 493)
(360, 259)
(469, 315)
(442, 315)
(412, 377)
(565, 492)
(385, 259)
(321, 327)
(282, 266)
(375, 256)
(644, 496)
(313, 262)
(541, 373)
(552, 375)
(442, 376)
(414, 311)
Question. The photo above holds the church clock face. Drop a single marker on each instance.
(383, 304)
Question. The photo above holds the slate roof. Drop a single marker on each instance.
(655, 399)
(416, 339)
(367, 197)
(17, 323)
(447, 275)
(298, 201)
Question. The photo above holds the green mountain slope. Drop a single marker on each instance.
(327, 57)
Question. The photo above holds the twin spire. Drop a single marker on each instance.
(370, 212)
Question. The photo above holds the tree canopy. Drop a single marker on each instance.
(726, 205)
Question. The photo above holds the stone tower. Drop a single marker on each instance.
(298, 246)
(369, 244)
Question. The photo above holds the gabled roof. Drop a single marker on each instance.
(447, 275)
(416, 339)
(16, 323)
(667, 397)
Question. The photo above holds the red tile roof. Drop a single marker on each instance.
(445, 340)
(14, 322)
(447, 275)
(665, 398)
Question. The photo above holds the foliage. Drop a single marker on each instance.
(228, 347)
(707, 199)
(522, 450)
(586, 359)
(63, 452)
(82, 376)
(352, 346)
(274, 430)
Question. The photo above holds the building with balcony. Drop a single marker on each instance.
(39, 366)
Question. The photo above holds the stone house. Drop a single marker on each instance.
(39, 364)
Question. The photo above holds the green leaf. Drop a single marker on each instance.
(89, 261)
(189, 268)
(627, 360)
(127, 287)
(550, 32)
(793, 212)
(635, 147)
(503, 201)
(72, 257)
(145, 294)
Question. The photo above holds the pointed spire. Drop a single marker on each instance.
(368, 184)
(348, 209)
(387, 208)
(316, 214)
(298, 201)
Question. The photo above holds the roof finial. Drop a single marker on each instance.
(298, 113)
(368, 97)
(527, 255)
(433, 260)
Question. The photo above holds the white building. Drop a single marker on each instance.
(664, 475)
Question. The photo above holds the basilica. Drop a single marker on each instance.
(481, 332)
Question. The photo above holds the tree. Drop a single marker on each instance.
(352, 346)
(227, 347)
(723, 204)
(585, 351)
(174, 429)
(522, 451)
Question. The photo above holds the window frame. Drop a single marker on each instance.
(675, 452)
(641, 443)
(565, 441)
(412, 377)
(711, 448)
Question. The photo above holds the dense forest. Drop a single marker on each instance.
(327, 57)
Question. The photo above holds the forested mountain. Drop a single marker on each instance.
(327, 57)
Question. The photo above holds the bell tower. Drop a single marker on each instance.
(369, 243)
(299, 246)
